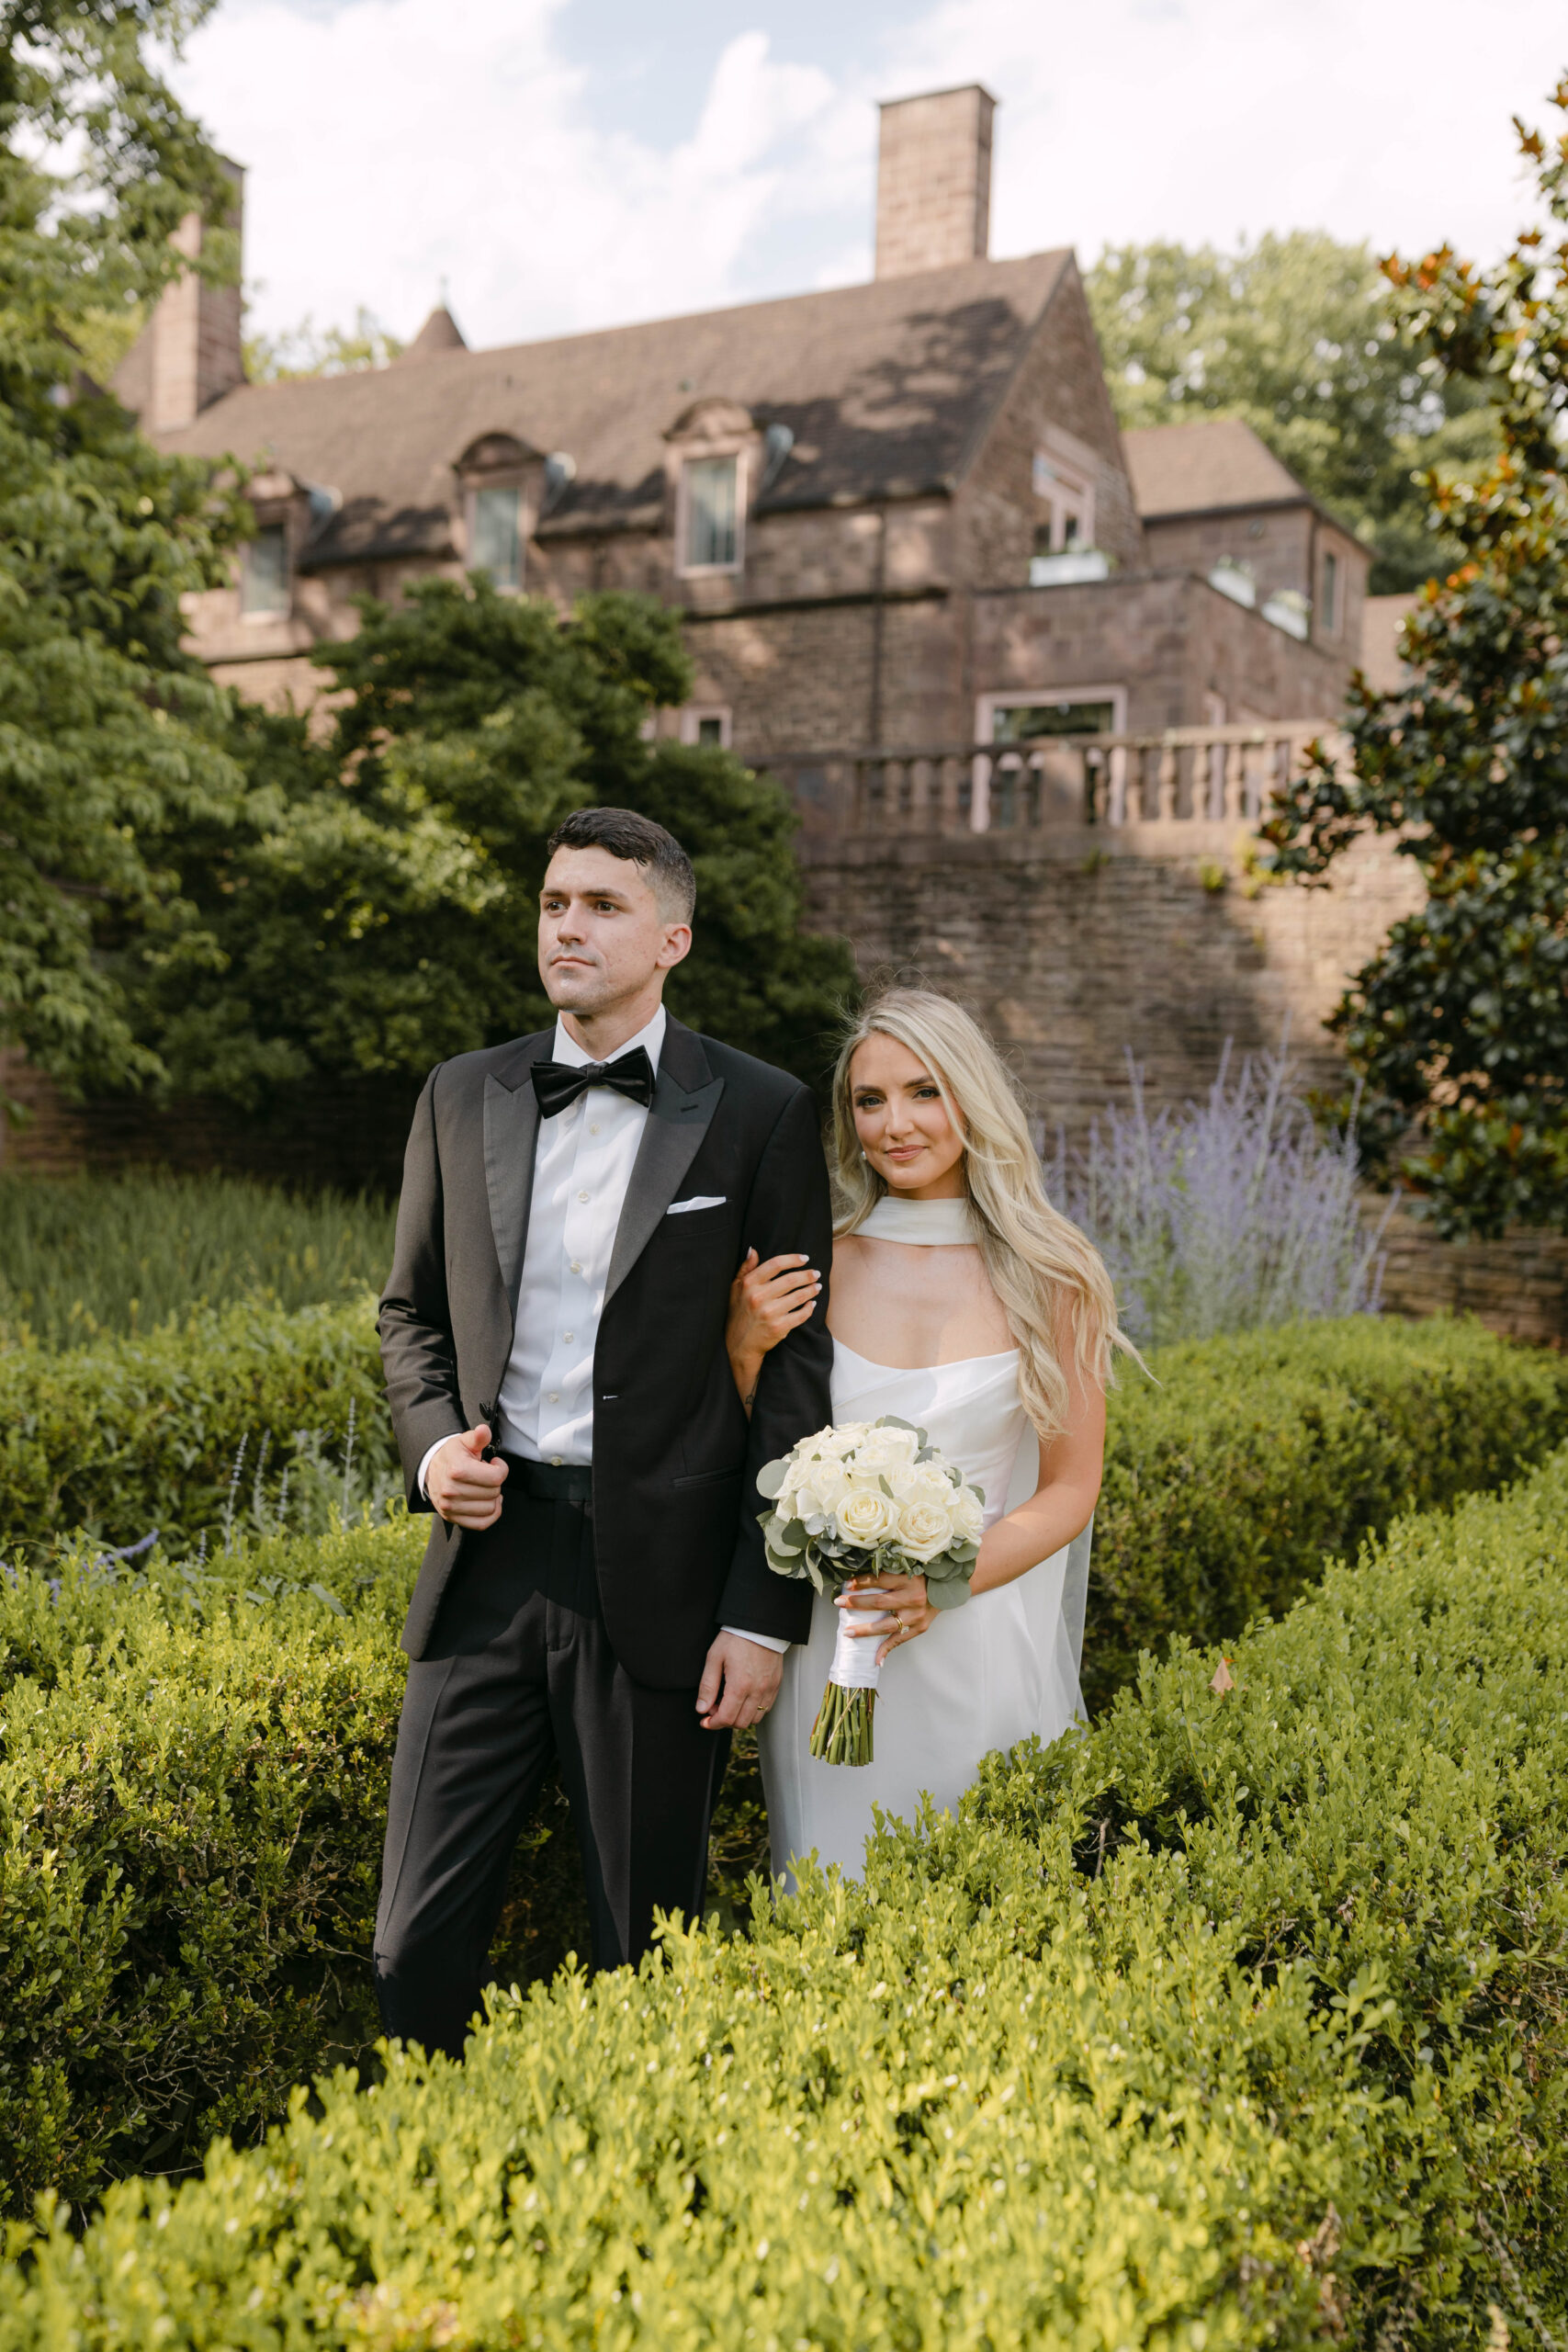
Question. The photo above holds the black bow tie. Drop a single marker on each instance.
(558, 1084)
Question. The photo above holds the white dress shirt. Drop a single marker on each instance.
(583, 1167)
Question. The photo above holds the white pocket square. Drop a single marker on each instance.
(697, 1201)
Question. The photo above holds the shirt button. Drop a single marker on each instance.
(582, 1197)
(567, 1335)
(555, 1461)
(575, 1267)
(555, 1395)
(593, 1131)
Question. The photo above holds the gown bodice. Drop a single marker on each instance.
(970, 1410)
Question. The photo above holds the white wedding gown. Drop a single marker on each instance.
(983, 1676)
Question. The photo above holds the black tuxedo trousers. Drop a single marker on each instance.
(520, 1671)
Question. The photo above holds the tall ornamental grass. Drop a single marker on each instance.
(1231, 1215)
(83, 1257)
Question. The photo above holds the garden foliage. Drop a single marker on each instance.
(191, 1430)
(373, 907)
(84, 1256)
(196, 1752)
(1459, 1026)
(108, 730)
(1298, 336)
(1239, 2021)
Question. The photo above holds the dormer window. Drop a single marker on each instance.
(502, 480)
(712, 501)
(496, 536)
(263, 574)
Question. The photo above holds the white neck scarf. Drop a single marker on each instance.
(923, 1225)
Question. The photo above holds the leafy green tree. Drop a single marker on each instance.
(374, 907)
(1460, 1026)
(109, 734)
(1297, 336)
(309, 350)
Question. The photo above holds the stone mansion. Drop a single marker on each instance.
(892, 516)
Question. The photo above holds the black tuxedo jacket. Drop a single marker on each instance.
(675, 1461)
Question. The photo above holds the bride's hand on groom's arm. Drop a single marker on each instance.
(766, 1303)
(901, 1596)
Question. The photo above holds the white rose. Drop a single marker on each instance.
(843, 1439)
(822, 1489)
(867, 1517)
(968, 1514)
(924, 1530)
(882, 1450)
(920, 1482)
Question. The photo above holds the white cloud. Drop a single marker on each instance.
(1197, 120)
(393, 144)
(403, 143)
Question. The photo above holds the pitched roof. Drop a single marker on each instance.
(1188, 469)
(886, 388)
(439, 333)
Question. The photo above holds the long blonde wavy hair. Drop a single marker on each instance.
(1049, 1276)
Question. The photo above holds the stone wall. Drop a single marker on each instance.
(1166, 637)
(1079, 947)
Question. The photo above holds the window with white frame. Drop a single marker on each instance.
(263, 574)
(1065, 497)
(495, 534)
(710, 520)
(706, 723)
(1052, 710)
(1328, 604)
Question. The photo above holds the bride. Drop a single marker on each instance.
(962, 1301)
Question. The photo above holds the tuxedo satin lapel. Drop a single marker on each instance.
(678, 1119)
(512, 1128)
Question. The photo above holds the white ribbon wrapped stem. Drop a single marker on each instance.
(855, 1665)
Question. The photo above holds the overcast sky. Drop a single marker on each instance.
(560, 163)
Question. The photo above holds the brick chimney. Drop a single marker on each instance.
(933, 181)
(189, 353)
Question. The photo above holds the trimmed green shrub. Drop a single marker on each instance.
(1255, 1457)
(193, 1792)
(1225, 1483)
(197, 1753)
(1239, 2021)
(191, 1808)
(133, 1435)
(82, 1256)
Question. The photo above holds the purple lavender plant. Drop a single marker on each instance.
(1226, 1214)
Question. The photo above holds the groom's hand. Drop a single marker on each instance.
(465, 1488)
(739, 1684)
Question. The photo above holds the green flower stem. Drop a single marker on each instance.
(841, 1733)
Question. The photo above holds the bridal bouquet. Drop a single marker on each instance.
(867, 1499)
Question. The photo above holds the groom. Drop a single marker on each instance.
(595, 1589)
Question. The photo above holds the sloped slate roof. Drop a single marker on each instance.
(1188, 469)
(885, 387)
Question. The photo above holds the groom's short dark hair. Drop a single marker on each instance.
(664, 863)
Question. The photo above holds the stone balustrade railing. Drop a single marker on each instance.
(1217, 775)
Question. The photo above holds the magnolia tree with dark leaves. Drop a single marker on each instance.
(1459, 1026)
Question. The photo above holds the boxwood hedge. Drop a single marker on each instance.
(1239, 2020)
(195, 1758)
(1226, 1482)
(136, 1434)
